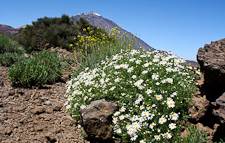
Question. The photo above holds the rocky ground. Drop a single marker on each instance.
(35, 115)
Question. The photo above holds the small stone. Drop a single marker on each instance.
(50, 137)
(38, 110)
(49, 110)
(57, 106)
(8, 130)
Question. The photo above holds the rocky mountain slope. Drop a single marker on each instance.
(97, 20)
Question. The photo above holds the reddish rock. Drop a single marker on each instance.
(199, 108)
(62, 53)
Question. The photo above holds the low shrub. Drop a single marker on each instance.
(42, 67)
(153, 90)
(8, 59)
(7, 45)
(195, 136)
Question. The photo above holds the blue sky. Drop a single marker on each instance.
(180, 26)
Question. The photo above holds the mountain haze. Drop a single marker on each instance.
(97, 20)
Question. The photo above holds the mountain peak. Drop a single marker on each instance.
(89, 13)
(94, 12)
(97, 20)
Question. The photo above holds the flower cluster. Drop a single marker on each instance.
(153, 89)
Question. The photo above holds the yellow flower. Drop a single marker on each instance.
(71, 45)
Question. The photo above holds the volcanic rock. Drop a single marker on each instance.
(220, 112)
(199, 108)
(97, 118)
(211, 59)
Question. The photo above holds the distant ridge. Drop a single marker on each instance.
(97, 20)
(8, 30)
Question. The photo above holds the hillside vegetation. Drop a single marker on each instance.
(153, 88)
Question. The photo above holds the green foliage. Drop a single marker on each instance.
(57, 31)
(42, 67)
(8, 59)
(194, 136)
(221, 140)
(7, 45)
(91, 50)
(153, 91)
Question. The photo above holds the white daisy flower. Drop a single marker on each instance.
(151, 126)
(131, 131)
(121, 117)
(169, 80)
(138, 61)
(162, 62)
(162, 120)
(136, 125)
(133, 76)
(158, 97)
(167, 135)
(155, 76)
(138, 83)
(102, 80)
(157, 83)
(68, 106)
(82, 106)
(69, 98)
(116, 113)
(163, 81)
(142, 141)
(122, 109)
(171, 104)
(142, 107)
(115, 120)
(144, 113)
(132, 59)
(144, 72)
(146, 65)
(149, 91)
(112, 88)
(157, 137)
(155, 60)
(172, 126)
(174, 116)
(169, 69)
(129, 70)
(118, 131)
(133, 137)
(116, 72)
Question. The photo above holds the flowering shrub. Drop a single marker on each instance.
(153, 90)
(91, 50)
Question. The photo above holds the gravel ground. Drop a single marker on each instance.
(35, 115)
